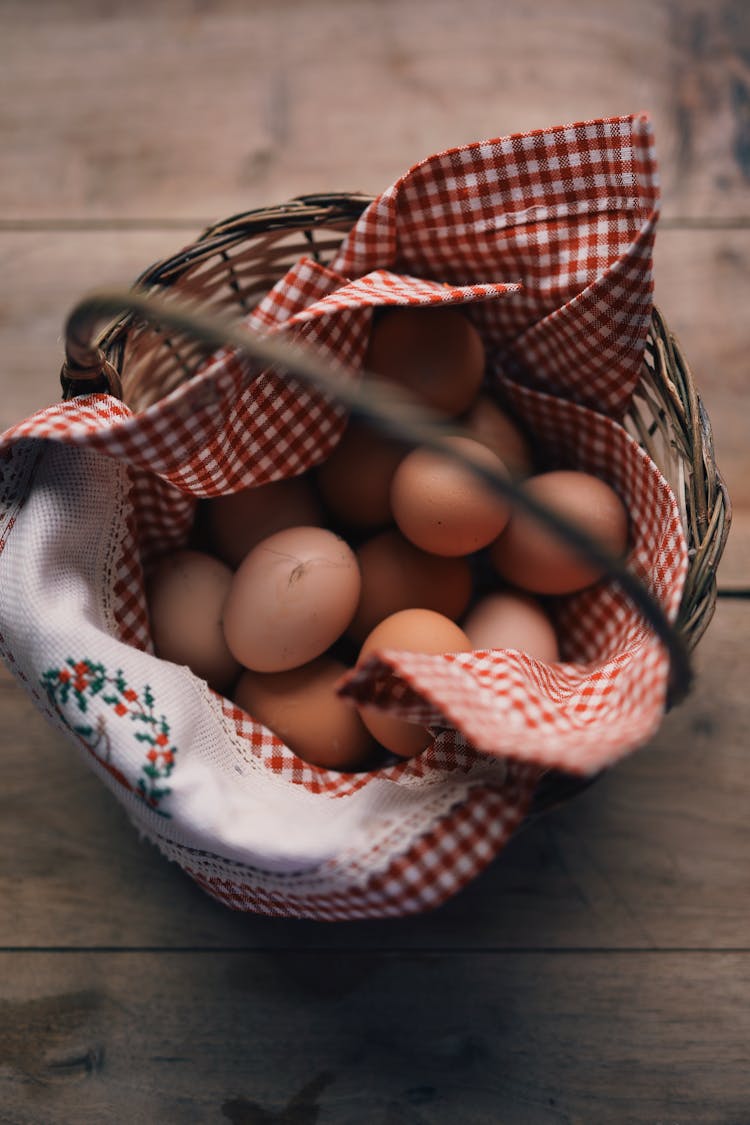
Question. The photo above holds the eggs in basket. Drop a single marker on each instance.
(384, 546)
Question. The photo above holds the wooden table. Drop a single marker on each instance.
(599, 970)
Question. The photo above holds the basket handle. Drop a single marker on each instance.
(86, 368)
(382, 405)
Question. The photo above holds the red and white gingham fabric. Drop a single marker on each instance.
(546, 240)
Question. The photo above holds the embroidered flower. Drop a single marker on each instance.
(88, 679)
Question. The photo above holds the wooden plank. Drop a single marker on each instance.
(182, 109)
(701, 285)
(598, 971)
(734, 571)
(337, 1038)
(42, 275)
(653, 856)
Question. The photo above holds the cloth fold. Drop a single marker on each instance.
(545, 239)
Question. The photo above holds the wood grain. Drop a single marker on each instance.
(653, 856)
(598, 971)
(295, 1038)
(192, 110)
(42, 275)
(734, 570)
(702, 282)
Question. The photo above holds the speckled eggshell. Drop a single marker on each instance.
(302, 708)
(355, 480)
(512, 620)
(530, 556)
(494, 428)
(236, 523)
(441, 506)
(292, 597)
(397, 575)
(410, 630)
(186, 594)
(435, 352)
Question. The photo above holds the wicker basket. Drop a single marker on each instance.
(234, 263)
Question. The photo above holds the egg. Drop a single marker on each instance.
(512, 620)
(292, 597)
(443, 507)
(234, 524)
(394, 734)
(534, 558)
(494, 428)
(434, 352)
(410, 630)
(185, 594)
(302, 708)
(355, 481)
(397, 575)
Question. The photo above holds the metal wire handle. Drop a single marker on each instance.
(381, 405)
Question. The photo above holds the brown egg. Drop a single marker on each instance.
(494, 428)
(538, 560)
(301, 707)
(443, 507)
(186, 594)
(435, 352)
(355, 481)
(236, 523)
(512, 620)
(394, 734)
(397, 575)
(292, 597)
(411, 630)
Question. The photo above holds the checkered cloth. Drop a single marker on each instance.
(546, 241)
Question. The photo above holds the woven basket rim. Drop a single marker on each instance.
(680, 416)
(709, 513)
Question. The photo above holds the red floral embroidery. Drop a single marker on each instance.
(91, 680)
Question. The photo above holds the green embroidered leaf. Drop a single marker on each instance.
(90, 680)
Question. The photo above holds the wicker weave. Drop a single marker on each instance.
(234, 263)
